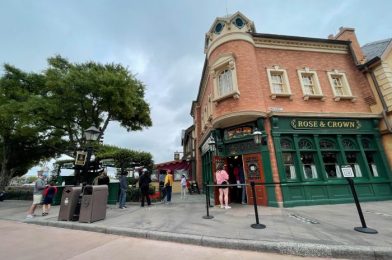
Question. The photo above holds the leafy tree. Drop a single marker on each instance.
(88, 94)
(44, 114)
(25, 138)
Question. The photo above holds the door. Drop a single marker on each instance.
(215, 162)
(253, 170)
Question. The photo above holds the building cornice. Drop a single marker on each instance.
(332, 115)
(313, 46)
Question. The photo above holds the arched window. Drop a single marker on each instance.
(305, 144)
(327, 144)
(286, 143)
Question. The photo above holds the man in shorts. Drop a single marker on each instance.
(37, 194)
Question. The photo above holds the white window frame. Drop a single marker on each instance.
(224, 62)
(285, 82)
(317, 89)
(346, 87)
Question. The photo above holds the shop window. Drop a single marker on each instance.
(279, 83)
(331, 165)
(353, 162)
(308, 165)
(310, 84)
(367, 143)
(372, 164)
(289, 168)
(224, 77)
(340, 86)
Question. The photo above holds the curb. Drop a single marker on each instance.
(286, 248)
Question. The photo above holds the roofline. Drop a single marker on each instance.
(369, 63)
(200, 85)
(298, 38)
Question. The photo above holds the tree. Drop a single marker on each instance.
(25, 139)
(44, 114)
(88, 94)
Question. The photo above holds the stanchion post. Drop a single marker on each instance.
(364, 228)
(207, 202)
(257, 225)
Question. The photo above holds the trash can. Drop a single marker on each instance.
(93, 205)
(69, 200)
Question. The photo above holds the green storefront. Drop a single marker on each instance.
(310, 152)
(235, 146)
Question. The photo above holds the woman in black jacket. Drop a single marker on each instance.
(144, 185)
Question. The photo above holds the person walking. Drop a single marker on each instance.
(123, 189)
(169, 185)
(183, 186)
(222, 178)
(39, 187)
(144, 185)
(48, 194)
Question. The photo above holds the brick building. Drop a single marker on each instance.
(310, 102)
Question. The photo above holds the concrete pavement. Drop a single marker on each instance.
(325, 230)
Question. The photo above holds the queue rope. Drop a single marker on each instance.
(257, 225)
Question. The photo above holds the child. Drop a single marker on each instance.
(48, 194)
(183, 186)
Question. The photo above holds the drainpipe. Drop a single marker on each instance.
(384, 105)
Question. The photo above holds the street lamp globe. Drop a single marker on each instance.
(257, 136)
(91, 133)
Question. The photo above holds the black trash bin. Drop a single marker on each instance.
(94, 202)
(69, 201)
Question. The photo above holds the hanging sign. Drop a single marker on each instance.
(347, 171)
(80, 158)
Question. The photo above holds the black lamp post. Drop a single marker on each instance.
(91, 134)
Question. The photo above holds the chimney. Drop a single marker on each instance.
(348, 34)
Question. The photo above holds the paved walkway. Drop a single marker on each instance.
(325, 230)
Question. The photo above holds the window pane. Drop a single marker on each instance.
(225, 83)
(308, 166)
(288, 161)
(285, 144)
(372, 164)
(351, 158)
(331, 165)
(338, 85)
(326, 144)
(305, 144)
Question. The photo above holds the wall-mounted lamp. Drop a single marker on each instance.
(211, 144)
(257, 136)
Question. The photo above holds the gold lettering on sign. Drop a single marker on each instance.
(309, 124)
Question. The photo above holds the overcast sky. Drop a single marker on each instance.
(162, 43)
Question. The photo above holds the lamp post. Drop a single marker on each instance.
(90, 134)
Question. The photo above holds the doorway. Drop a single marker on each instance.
(236, 175)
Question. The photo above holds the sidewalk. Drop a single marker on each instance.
(325, 230)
